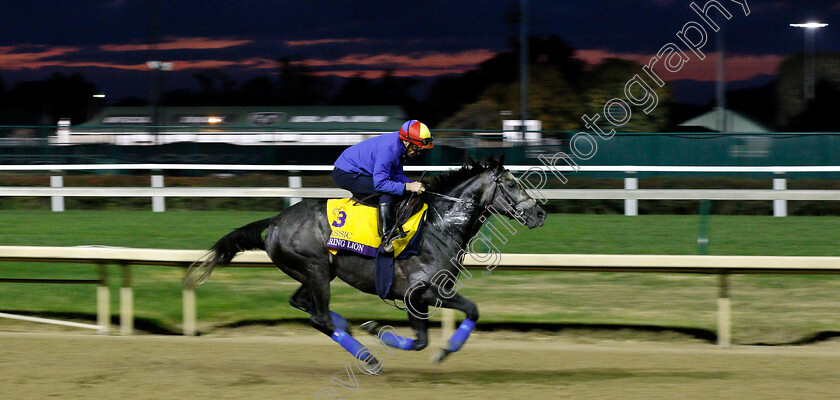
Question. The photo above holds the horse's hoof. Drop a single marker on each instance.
(373, 367)
(371, 327)
(439, 356)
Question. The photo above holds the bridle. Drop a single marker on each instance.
(509, 198)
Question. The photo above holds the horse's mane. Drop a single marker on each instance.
(446, 181)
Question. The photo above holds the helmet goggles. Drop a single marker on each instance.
(417, 133)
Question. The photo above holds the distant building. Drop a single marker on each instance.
(735, 122)
(746, 146)
(310, 125)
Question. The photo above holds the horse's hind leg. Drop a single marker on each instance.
(319, 286)
(302, 300)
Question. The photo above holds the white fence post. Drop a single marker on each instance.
(631, 206)
(126, 302)
(158, 203)
(57, 181)
(189, 312)
(724, 315)
(295, 182)
(103, 301)
(780, 206)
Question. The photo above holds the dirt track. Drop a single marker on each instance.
(87, 366)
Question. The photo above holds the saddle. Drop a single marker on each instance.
(354, 225)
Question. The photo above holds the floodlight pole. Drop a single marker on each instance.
(154, 66)
(810, 64)
(523, 62)
(720, 88)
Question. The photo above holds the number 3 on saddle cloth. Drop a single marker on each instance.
(354, 229)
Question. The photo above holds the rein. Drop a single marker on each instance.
(450, 198)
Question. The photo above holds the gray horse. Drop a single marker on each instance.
(459, 203)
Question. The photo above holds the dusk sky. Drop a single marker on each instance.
(107, 40)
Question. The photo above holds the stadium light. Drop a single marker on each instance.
(810, 25)
(808, 73)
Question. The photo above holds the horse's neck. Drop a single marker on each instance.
(459, 221)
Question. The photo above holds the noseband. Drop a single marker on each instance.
(513, 205)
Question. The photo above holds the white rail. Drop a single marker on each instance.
(98, 328)
(549, 194)
(415, 168)
(631, 194)
(722, 266)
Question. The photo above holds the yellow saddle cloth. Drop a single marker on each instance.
(354, 228)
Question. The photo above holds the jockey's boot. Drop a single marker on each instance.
(387, 232)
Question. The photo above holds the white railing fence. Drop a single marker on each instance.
(631, 194)
(723, 266)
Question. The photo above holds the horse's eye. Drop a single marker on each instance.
(511, 184)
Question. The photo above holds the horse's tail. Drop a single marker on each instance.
(248, 237)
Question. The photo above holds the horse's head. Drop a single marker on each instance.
(507, 197)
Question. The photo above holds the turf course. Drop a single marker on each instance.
(766, 308)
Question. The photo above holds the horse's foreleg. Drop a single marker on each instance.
(389, 336)
(446, 299)
(421, 329)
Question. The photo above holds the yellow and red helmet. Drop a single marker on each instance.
(417, 133)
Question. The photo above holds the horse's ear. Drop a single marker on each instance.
(502, 160)
(469, 162)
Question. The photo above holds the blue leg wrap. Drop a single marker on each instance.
(461, 335)
(339, 321)
(350, 344)
(396, 341)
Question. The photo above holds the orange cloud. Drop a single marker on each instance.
(95, 64)
(379, 73)
(459, 61)
(253, 63)
(321, 41)
(367, 65)
(428, 64)
(197, 43)
(737, 67)
(11, 60)
(593, 57)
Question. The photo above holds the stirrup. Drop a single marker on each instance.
(389, 240)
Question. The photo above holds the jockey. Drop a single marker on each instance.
(374, 167)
